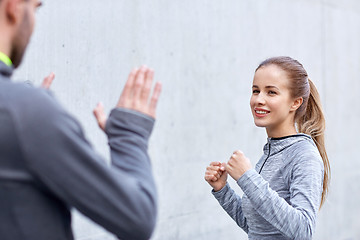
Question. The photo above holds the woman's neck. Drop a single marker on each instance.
(280, 132)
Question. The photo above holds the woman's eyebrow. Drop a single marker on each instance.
(271, 87)
(255, 86)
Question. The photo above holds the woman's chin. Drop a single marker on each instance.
(260, 124)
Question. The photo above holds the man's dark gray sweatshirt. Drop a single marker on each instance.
(47, 167)
(282, 194)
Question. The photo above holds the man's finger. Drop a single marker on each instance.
(48, 81)
(154, 99)
(149, 76)
(138, 86)
(127, 92)
(100, 115)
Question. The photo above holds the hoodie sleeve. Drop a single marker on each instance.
(231, 203)
(297, 219)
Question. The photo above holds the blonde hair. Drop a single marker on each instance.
(309, 117)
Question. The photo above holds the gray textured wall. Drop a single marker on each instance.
(205, 53)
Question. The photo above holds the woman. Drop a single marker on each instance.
(289, 183)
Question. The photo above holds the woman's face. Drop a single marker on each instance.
(271, 103)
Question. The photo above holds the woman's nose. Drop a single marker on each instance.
(260, 100)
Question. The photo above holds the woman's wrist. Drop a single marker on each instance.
(217, 189)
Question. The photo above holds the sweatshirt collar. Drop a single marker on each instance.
(6, 70)
(276, 145)
(5, 59)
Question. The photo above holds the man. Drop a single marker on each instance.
(46, 164)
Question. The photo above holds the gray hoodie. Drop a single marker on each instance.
(282, 194)
(47, 167)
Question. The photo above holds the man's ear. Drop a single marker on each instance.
(12, 10)
(296, 104)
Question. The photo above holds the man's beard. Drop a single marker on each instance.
(21, 41)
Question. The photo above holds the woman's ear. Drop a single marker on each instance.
(296, 104)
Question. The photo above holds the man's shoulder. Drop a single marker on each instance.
(26, 102)
(24, 94)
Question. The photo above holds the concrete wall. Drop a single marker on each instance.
(205, 53)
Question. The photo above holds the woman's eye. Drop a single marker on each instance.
(255, 91)
(272, 93)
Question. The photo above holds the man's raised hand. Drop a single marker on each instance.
(137, 91)
(136, 95)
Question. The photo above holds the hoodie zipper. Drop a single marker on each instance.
(266, 158)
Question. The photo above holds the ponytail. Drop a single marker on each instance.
(313, 124)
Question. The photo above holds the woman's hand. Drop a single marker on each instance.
(216, 175)
(238, 165)
(135, 96)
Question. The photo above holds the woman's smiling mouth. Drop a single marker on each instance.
(259, 112)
